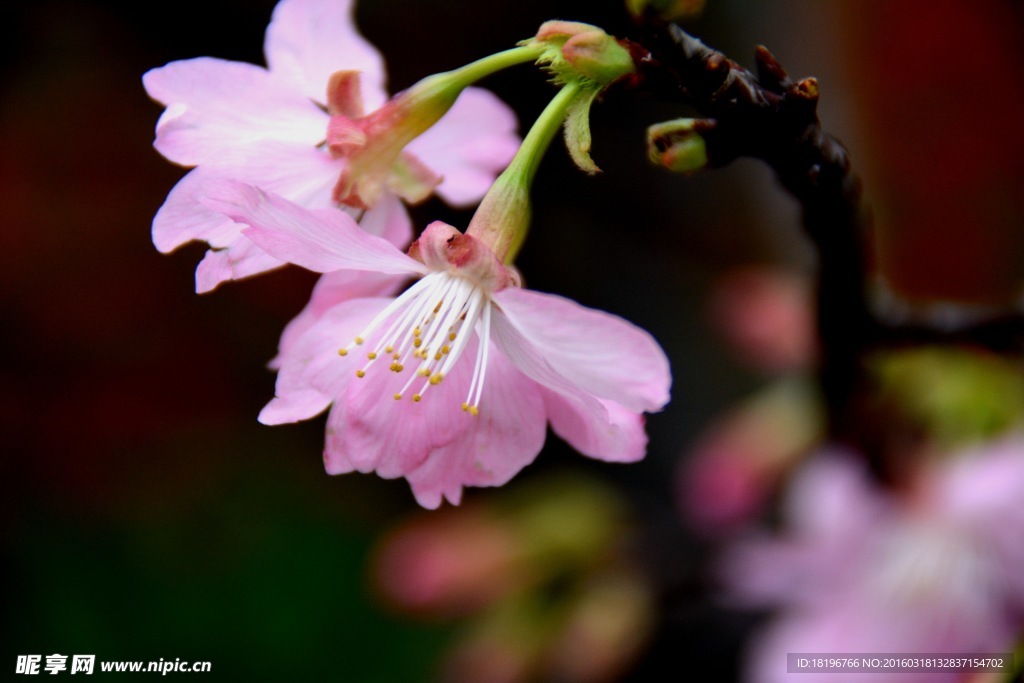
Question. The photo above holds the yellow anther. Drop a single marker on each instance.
(397, 367)
(423, 372)
(372, 355)
(342, 352)
(417, 398)
(359, 340)
(416, 332)
(389, 349)
(398, 397)
(451, 337)
(445, 350)
(417, 342)
(397, 356)
(360, 374)
(436, 378)
(473, 410)
(465, 407)
(438, 356)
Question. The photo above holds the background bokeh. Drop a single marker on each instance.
(148, 514)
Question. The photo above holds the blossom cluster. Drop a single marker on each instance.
(449, 381)
(861, 569)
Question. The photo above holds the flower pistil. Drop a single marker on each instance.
(429, 327)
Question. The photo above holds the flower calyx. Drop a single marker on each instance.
(443, 248)
(574, 50)
(588, 60)
(373, 145)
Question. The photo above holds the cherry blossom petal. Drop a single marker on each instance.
(336, 459)
(321, 240)
(389, 219)
(314, 374)
(215, 106)
(526, 357)
(613, 434)
(598, 428)
(503, 439)
(982, 485)
(183, 219)
(601, 353)
(298, 173)
(332, 289)
(469, 146)
(308, 40)
(239, 260)
(393, 437)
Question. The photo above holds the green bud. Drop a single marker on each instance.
(955, 396)
(678, 145)
(598, 56)
(576, 51)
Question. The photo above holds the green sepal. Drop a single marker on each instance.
(577, 130)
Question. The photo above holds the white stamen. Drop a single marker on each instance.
(476, 385)
(434, 321)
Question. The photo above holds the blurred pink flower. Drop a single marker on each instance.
(932, 570)
(451, 563)
(289, 129)
(767, 315)
(530, 358)
(735, 466)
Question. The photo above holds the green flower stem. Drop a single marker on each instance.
(527, 159)
(447, 85)
(503, 218)
(423, 104)
(481, 68)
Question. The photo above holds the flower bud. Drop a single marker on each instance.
(677, 145)
(574, 49)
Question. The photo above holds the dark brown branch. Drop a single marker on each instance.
(774, 118)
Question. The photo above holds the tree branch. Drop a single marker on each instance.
(774, 118)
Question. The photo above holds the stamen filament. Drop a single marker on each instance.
(476, 387)
(433, 321)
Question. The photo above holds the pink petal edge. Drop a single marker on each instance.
(308, 40)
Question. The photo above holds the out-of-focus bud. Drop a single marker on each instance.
(566, 522)
(767, 315)
(734, 467)
(541, 576)
(952, 396)
(501, 647)
(669, 10)
(448, 564)
(678, 145)
(610, 621)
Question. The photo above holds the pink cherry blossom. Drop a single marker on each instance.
(452, 383)
(294, 128)
(936, 570)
